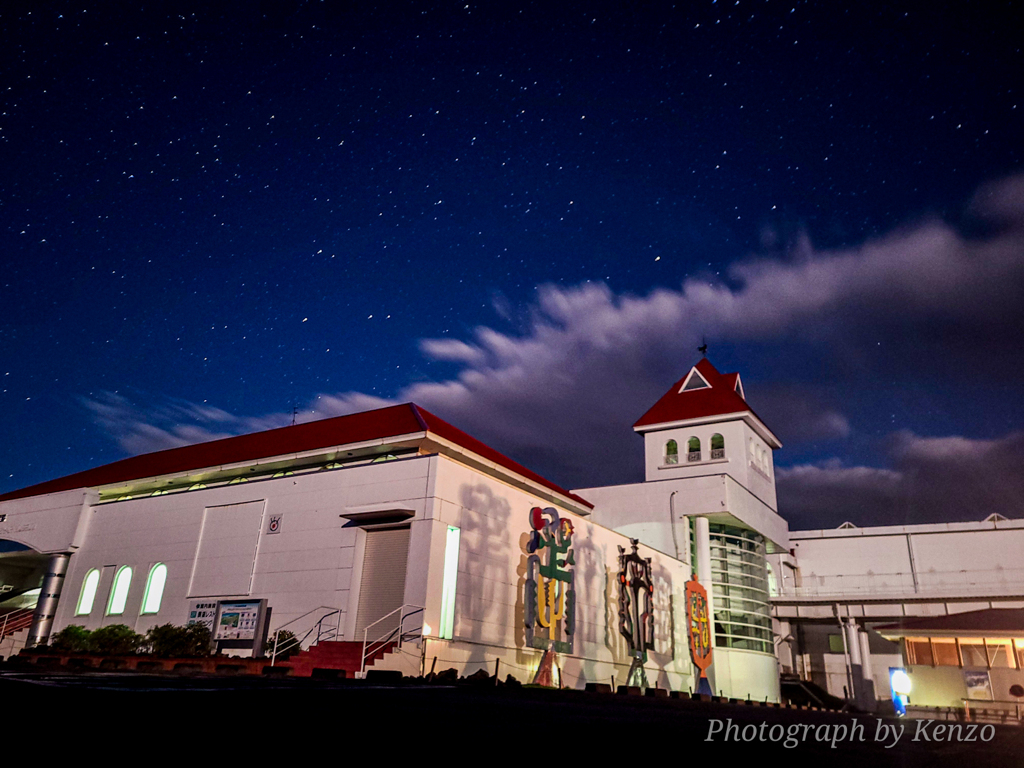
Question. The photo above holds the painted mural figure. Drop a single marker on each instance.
(636, 610)
(550, 596)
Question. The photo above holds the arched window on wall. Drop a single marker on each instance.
(85, 600)
(693, 449)
(671, 452)
(154, 588)
(717, 446)
(119, 591)
(759, 458)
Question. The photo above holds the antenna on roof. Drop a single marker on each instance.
(295, 412)
(703, 348)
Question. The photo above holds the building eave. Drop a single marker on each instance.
(747, 416)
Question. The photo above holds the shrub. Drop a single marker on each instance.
(168, 640)
(287, 645)
(115, 640)
(72, 639)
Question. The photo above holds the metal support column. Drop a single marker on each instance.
(865, 661)
(49, 595)
(856, 673)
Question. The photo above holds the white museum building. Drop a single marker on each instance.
(393, 524)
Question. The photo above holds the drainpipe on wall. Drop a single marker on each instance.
(49, 595)
(675, 538)
(850, 692)
(913, 565)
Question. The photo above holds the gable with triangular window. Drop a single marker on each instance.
(694, 381)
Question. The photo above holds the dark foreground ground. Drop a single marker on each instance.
(252, 718)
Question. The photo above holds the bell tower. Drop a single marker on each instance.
(708, 499)
(703, 426)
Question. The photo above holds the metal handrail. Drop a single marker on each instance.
(386, 638)
(321, 633)
(963, 582)
(1016, 711)
(16, 620)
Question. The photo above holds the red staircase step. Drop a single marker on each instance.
(334, 654)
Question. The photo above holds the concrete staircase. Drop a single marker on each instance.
(14, 626)
(334, 654)
(13, 643)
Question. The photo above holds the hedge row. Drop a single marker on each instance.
(119, 639)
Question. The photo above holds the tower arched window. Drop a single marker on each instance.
(693, 449)
(88, 595)
(717, 446)
(119, 591)
(671, 452)
(154, 588)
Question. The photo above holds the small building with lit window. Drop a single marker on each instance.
(954, 660)
(942, 600)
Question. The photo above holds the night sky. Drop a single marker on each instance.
(525, 218)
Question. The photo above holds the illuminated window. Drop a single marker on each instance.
(671, 452)
(773, 584)
(944, 652)
(85, 600)
(451, 574)
(119, 591)
(919, 651)
(972, 652)
(1000, 652)
(154, 588)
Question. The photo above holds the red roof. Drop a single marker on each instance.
(718, 399)
(342, 430)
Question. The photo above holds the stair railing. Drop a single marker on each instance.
(394, 633)
(321, 630)
(15, 620)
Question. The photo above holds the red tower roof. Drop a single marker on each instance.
(702, 393)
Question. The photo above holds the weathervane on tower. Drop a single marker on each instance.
(703, 348)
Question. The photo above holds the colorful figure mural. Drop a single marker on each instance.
(550, 599)
(636, 610)
(698, 625)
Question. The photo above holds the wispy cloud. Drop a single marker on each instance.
(163, 422)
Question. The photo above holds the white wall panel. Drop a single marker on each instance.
(227, 550)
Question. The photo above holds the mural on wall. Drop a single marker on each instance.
(550, 597)
(636, 610)
(698, 625)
